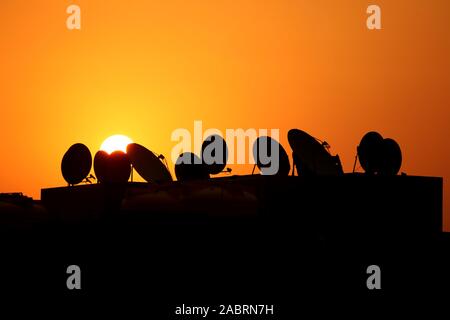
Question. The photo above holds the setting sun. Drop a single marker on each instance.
(116, 142)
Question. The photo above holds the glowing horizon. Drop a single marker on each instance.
(117, 142)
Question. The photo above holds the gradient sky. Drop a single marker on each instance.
(145, 68)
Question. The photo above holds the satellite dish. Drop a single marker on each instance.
(370, 151)
(101, 166)
(379, 156)
(147, 164)
(214, 154)
(76, 163)
(119, 167)
(190, 167)
(392, 157)
(267, 146)
(310, 155)
(112, 168)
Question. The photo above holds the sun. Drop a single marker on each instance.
(117, 142)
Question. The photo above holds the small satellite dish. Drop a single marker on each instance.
(391, 157)
(214, 154)
(112, 168)
(190, 167)
(147, 164)
(370, 151)
(76, 163)
(310, 156)
(266, 147)
(101, 166)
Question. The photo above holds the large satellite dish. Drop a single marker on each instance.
(310, 155)
(266, 147)
(76, 163)
(370, 152)
(190, 167)
(147, 164)
(112, 168)
(379, 156)
(214, 154)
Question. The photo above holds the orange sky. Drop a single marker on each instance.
(145, 68)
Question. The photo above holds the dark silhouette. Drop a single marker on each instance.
(119, 167)
(392, 157)
(379, 156)
(311, 157)
(76, 164)
(147, 164)
(369, 152)
(210, 146)
(113, 168)
(268, 144)
(234, 237)
(101, 166)
(190, 167)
